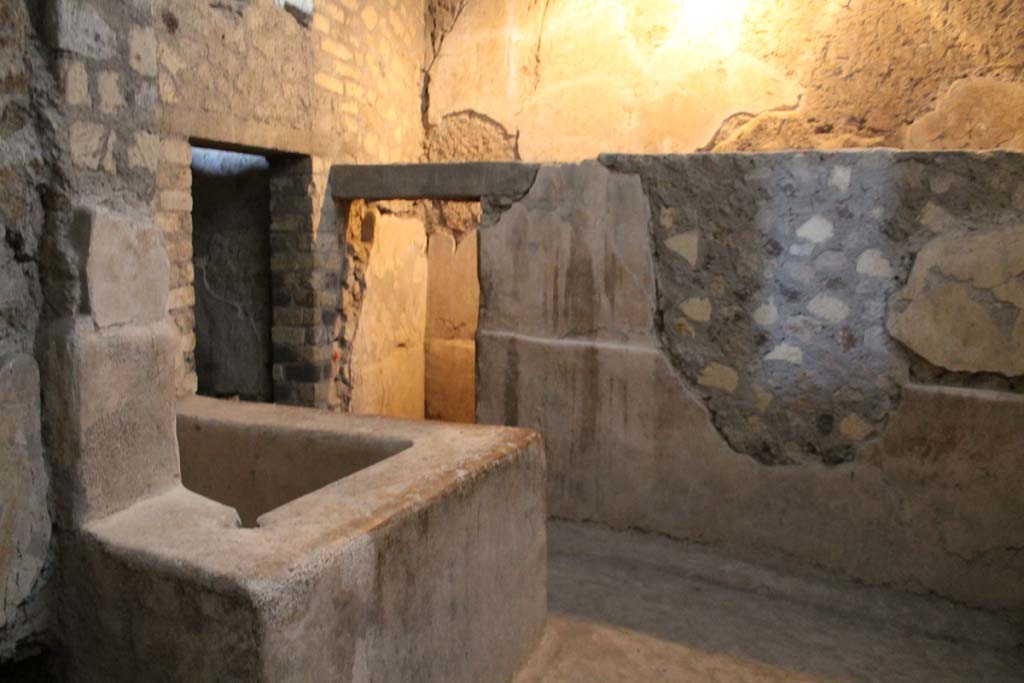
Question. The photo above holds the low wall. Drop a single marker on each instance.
(810, 357)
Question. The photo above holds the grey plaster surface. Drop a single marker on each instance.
(632, 607)
(456, 181)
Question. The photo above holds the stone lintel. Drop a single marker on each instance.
(453, 181)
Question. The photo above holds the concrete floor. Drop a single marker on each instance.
(633, 607)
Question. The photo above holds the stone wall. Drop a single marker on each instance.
(333, 87)
(25, 527)
(568, 79)
(810, 357)
(88, 273)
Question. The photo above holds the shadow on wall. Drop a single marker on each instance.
(231, 256)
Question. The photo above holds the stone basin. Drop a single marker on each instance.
(415, 551)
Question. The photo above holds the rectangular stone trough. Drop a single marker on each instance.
(368, 549)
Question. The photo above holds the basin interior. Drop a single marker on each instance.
(256, 469)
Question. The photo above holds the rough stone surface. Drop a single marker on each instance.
(26, 150)
(963, 306)
(24, 485)
(755, 76)
(21, 173)
(125, 267)
(387, 355)
(462, 181)
(231, 228)
(799, 256)
(113, 395)
(958, 122)
(468, 136)
(630, 607)
(76, 26)
(428, 566)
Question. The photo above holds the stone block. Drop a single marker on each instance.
(113, 395)
(76, 83)
(142, 50)
(958, 122)
(24, 485)
(429, 566)
(144, 152)
(633, 446)
(125, 269)
(961, 308)
(76, 26)
(572, 258)
(453, 296)
(464, 181)
(450, 391)
(108, 84)
(175, 151)
(387, 352)
(88, 143)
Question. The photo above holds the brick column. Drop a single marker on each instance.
(174, 216)
(305, 267)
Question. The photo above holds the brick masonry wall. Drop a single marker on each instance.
(334, 90)
(305, 267)
(174, 216)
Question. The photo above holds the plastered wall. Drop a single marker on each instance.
(569, 79)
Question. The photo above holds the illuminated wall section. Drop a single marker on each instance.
(573, 78)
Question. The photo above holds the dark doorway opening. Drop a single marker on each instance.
(231, 255)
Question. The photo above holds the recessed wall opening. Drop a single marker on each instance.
(416, 300)
(231, 256)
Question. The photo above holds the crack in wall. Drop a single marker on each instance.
(440, 27)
